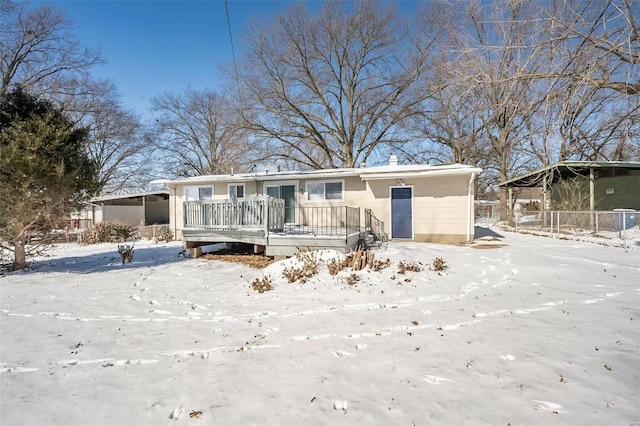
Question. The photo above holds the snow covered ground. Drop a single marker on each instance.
(538, 331)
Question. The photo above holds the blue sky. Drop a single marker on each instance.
(155, 46)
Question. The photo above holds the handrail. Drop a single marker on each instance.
(375, 226)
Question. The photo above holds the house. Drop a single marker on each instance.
(144, 208)
(584, 185)
(279, 212)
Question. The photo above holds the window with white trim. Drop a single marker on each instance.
(198, 193)
(325, 191)
(236, 190)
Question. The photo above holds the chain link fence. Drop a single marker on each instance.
(487, 213)
(156, 232)
(617, 225)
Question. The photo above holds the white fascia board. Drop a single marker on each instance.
(262, 176)
(125, 196)
(314, 174)
(372, 173)
(160, 182)
(420, 174)
(196, 180)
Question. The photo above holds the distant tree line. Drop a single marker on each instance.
(505, 85)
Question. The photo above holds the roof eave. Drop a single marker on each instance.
(420, 174)
(527, 180)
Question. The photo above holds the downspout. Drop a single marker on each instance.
(592, 197)
(175, 218)
(592, 191)
(144, 210)
(470, 209)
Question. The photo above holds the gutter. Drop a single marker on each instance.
(175, 217)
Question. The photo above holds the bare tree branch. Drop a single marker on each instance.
(327, 90)
(200, 133)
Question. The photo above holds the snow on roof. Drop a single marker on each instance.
(424, 170)
(563, 169)
(125, 196)
(368, 173)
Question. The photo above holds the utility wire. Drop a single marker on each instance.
(233, 50)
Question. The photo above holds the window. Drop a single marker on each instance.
(325, 191)
(198, 193)
(236, 190)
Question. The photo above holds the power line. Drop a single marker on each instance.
(233, 50)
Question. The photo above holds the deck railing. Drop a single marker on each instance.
(257, 213)
(268, 214)
(340, 221)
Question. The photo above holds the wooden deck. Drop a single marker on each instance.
(261, 221)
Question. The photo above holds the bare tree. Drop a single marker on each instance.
(328, 90)
(448, 125)
(591, 106)
(500, 45)
(604, 40)
(579, 122)
(117, 146)
(201, 133)
(39, 51)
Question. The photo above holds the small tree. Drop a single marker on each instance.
(571, 194)
(45, 173)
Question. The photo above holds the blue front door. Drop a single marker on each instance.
(401, 212)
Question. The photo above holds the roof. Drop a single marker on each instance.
(127, 196)
(367, 173)
(415, 171)
(563, 170)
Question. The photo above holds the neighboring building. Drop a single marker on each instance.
(280, 211)
(145, 208)
(585, 185)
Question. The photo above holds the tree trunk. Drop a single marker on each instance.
(19, 254)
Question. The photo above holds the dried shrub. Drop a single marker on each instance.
(105, 232)
(352, 279)
(308, 268)
(408, 267)
(379, 265)
(439, 264)
(126, 253)
(165, 236)
(292, 274)
(261, 284)
(335, 266)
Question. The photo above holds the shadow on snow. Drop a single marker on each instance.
(103, 261)
(486, 232)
